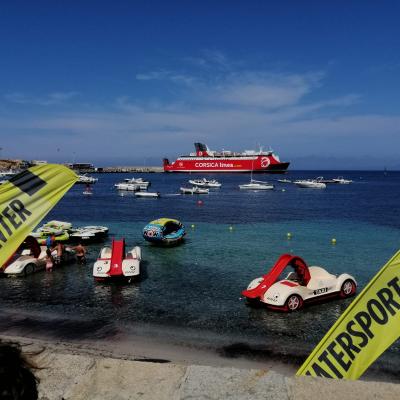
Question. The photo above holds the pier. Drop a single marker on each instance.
(136, 169)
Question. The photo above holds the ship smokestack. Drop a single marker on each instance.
(201, 149)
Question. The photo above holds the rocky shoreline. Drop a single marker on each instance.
(75, 371)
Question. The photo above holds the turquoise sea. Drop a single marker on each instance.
(192, 293)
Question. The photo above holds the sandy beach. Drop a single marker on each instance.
(144, 369)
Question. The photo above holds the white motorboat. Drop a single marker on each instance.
(8, 174)
(342, 181)
(256, 185)
(310, 184)
(133, 184)
(194, 190)
(89, 233)
(116, 263)
(284, 181)
(205, 183)
(86, 179)
(147, 194)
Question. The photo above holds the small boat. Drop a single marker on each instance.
(115, 262)
(205, 183)
(89, 234)
(342, 181)
(194, 190)
(323, 180)
(86, 179)
(284, 181)
(164, 231)
(133, 184)
(147, 194)
(87, 191)
(310, 184)
(256, 185)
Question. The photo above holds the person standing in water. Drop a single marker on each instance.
(80, 253)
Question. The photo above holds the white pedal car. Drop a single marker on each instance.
(28, 258)
(303, 285)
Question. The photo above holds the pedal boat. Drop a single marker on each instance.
(116, 263)
(301, 286)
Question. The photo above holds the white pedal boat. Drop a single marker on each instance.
(116, 263)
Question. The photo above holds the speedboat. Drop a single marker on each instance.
(89, 233)
(205, 183)
(310, 184)
(194, 190)
(147, 194)
(133, 184)
(164, 231)
(342, 181)
(86, 179)
(115, 262)
(256, 185)
(302, 285)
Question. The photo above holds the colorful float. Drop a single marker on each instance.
(164, 231)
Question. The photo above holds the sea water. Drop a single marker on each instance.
(193, 291)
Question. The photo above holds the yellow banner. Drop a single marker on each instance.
(364, 331)
(25, 200)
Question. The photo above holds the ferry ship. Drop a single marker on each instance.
(206, 160)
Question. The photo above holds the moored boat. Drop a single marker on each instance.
(310, 184)
(86, 179)
(256, 185)
(133, 184)
(342, 181)
(194, 190)
(205, 183)
(147, 194)
(206, 160)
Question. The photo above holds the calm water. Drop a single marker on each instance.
(193, 291)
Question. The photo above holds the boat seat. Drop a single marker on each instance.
(106, 253)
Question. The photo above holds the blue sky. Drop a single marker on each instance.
(129, 82)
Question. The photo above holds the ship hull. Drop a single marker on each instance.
(256, 164)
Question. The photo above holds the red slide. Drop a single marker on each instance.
(117, 256)
(269, 279)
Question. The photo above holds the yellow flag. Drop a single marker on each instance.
(364, 331)
(25, 199)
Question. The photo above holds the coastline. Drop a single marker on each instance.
(81, 371)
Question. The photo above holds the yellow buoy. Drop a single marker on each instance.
(289, 235)
(231, 228)
(333, 241)
(192, 226)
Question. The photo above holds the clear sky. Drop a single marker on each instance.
(129, 82)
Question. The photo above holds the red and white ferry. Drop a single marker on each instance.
(206, 160)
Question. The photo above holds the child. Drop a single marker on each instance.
(49, 261)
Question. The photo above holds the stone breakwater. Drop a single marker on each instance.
(68, 373)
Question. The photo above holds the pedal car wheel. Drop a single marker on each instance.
(294, 302)
(29, 269)
(348, 288)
